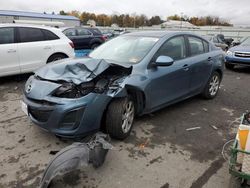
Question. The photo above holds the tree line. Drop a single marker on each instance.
(134, 20)
(201, 21)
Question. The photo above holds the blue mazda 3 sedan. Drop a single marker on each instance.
(134, 74)
(238, 55)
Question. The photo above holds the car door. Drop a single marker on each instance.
(9, 63)
(34, 49)
(172, 82)
(83, 38)
(200, 62)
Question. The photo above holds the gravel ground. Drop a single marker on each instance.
(170, 156)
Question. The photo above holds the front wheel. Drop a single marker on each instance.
(212, 86)
(120, 117)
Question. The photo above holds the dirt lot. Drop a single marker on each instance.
(171, 156)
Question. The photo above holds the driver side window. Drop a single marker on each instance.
(174, 48)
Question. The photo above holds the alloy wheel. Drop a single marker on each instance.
(128, 117)
(214, 85)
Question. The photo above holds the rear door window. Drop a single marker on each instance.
(196, 46)
(49, 35)
(30, 35)
(7, 35)
(70, 32)
(83, 32)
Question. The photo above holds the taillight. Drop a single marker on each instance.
(104, 38)
(72, 45)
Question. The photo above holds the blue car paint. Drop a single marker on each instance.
(238, 60)
(161, 86)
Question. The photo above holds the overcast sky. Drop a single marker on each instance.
(235, 11)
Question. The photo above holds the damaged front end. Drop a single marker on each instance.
(76, 157)
(63, 98)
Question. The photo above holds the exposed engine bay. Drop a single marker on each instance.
(108, 80)
(78, 80)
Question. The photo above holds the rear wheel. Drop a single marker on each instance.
(120, 117)
(212, 86)
(229, 65)
(56, 57)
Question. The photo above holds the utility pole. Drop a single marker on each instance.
(134, 21)
(181, 19)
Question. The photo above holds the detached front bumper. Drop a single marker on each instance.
(68, 117)
(238, 60)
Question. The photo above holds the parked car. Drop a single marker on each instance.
(235, 43)
(85, 38)
(227, 41)
(26, 48)
(238, 55)
(108, 34)
(217, 42)
(133, 74)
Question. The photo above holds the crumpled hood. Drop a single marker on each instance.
(74, 70)
(241, 48)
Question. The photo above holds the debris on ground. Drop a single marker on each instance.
(214, 127)
(77, 156)
(204, 109)
(193, 128)
(143, 145)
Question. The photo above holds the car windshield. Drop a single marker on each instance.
(246, 42)
(125, 49)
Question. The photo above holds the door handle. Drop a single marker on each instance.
(47, 48)
(11, 51)
(209, 59)
(185, 67)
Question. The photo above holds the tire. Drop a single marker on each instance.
(94, 46)
(119, 118)
(212, 87)
(56, 57)
(229, 66)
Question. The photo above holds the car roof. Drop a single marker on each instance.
(77, 27)
(27, 25)
(157, 34)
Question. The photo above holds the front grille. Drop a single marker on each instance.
(40, 115)
(242, 54)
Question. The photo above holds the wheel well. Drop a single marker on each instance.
(219, 71)
(96, 42)
(139, 98)
(58, 53)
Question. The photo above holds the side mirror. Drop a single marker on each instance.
(164, 61)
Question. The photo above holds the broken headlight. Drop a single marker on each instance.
(70, 90)
(67, 90)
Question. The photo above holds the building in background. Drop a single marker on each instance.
(7, 16)
(91, 23)
(177, 24)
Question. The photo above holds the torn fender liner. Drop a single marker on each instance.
(76, 156)
(74, 70)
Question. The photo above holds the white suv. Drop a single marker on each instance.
(25, 48)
